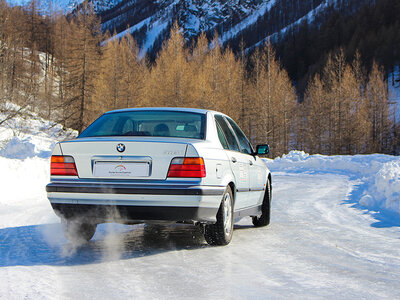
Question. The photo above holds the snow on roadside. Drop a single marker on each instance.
(23, 198)
(379, 174)
(25, 149)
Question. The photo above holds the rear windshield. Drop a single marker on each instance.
(148, 123)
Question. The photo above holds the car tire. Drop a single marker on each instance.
(265, 217)
(220, 233)
(78, 232)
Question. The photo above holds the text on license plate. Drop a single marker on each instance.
(121, 169)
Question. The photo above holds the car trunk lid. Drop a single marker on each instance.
(126, 158)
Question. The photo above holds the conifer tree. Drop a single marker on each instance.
(118, 84)
(12, 60)
(379, 112)
(107, 91)
(213, 70)
(337, 119)
(318, 109)
(63, 103)
(83, 57)
(199, 71)
(169, 81)
(333, 82)
(274, 101)
(230, 85)
(134, 77)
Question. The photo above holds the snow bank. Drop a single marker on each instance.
(386, 187)
(362, 165)
(25, 148)
(379, 174)
(23, 198)
(17, 148)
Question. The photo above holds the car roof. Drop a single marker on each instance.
(183, 109)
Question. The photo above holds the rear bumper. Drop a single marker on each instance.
(131, 213)
(129, 189)
(134, 202)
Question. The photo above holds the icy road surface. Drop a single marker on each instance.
(319, 245)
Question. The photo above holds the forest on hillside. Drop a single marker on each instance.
(370, 27)
(61, 68)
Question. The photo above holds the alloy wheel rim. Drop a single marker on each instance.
(227, 214)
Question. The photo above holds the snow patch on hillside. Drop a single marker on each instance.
(251, 19)
(28, 135)
(309, 17)
(154, 29)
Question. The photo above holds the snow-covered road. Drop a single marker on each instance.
(319, 245)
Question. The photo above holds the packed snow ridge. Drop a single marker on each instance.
(378, 175)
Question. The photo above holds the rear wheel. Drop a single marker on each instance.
(78, 232)
(221, 232)
(265, 217)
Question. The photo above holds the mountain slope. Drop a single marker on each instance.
(251, 21)
(67, 6)
(234, 20)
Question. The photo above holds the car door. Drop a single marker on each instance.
(256, 183)
(239, 163)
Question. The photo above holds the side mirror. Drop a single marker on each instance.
(262, 149)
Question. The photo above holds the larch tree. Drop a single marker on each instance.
(32, 83)
(333, 78)
(83, 57)
(213, 70)
(337, 114)
(353, 122)
(63, 103)
(230, 85)
(200, 86)
(108, 83)
(245, 107)
(12, 61)
(119, 82)
(256, 95)
(274, 101)
(169, 80)
(48, 92)
(379, 112)
(318, 109)
(133, 80)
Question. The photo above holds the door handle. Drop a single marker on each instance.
(234, 159)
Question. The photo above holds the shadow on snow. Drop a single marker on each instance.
(384, 218)
(45, 244)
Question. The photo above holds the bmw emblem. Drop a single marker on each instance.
(120, 147)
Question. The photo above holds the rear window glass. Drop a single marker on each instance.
(148, 123)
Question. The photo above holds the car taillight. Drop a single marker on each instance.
(187, 167)
(63, 165)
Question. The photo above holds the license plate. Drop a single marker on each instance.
(121, 169)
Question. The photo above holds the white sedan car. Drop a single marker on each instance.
(156, 165)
